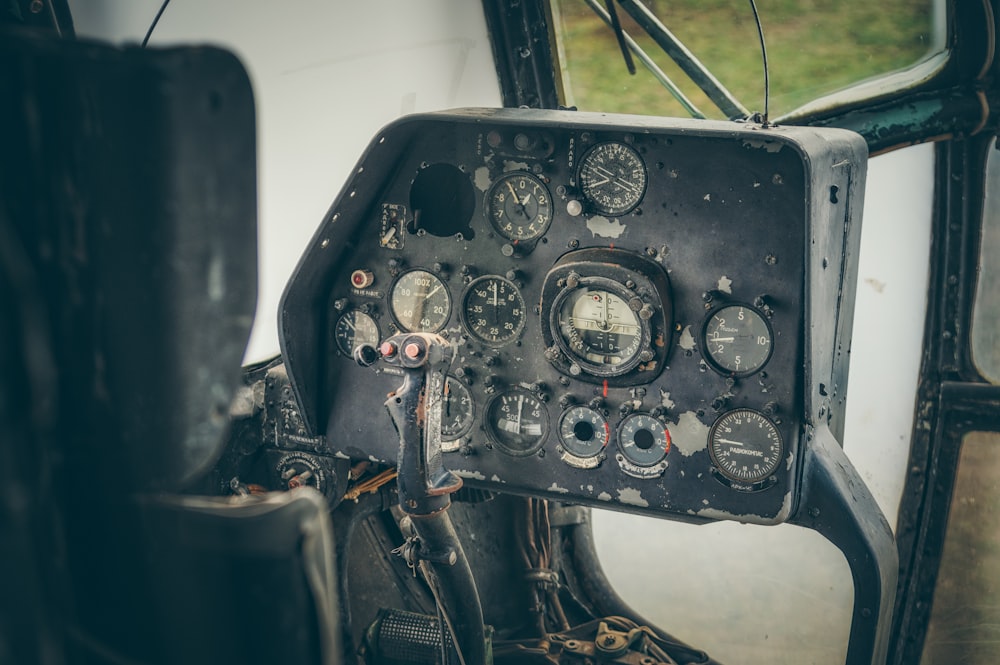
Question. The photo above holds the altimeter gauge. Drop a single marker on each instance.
(519, 206)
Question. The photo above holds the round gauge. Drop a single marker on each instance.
(419, 302)
(583, 431)
(353, 329)
(737, 340)
(612, 178)
(643, 440)
(598, 329)
(519, 207)
(493, 310)
(517, 422)
(745, 446)
(457, 410)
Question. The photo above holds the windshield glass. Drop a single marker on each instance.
(814, 48)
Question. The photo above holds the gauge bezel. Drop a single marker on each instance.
(725, 475)
(596, 282)
(356, 312)
(392, 293)
(627, 452)
(589, 191)
(568, 447)
(492, 204)
(465, 317)
(495, 439)
(709, 356)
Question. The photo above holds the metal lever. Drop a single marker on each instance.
(415, 408)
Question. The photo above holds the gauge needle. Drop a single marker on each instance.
(520, 406)
(721, 339)
(735, 443)
(350, 324)
(433, 291)
(517, 199)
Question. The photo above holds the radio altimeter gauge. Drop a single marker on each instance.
(517, 422)
(493, 310)
(746, 449)
(612, 178)
(519, 207)
(738, 340)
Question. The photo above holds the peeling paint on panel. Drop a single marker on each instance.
(514, 166)
(707, 197)
(604, 496)
(340, 455)
(770, 146)
(481, 178)
(665, 400)
(472, 474)
(632, 497)
(791, 460)
(556, 488)
(686, 341)
(496, 478)
(604, 227)
(725, 285)
(689, 435)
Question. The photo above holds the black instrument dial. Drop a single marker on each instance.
(493, 310)
(457, 411)
(419, 302)
(745, 447)
(517, 422)
(353, 329)
(643, 440)
(519, 207)
(598, 329)
(737, 340)
(583, 432)
(612, 178)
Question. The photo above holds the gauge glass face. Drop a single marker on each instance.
(517, 422)
(643, 440)
(745, 446)
(493, 310)
(457, 409)
(519, 207)
(583, 431)
(353, 329)
(420, 302)
(613, 178)
(598, 329)
(738, 340)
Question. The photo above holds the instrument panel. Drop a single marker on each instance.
(644, 311)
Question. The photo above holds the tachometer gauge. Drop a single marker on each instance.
(612, 178)
(517, 422)
(598, 329)
(457, 412)
(643, 440)
(519, 206)
(583, 432)
(419, 302)
(745, 447)
(353, 329)
(737, 340)
(493, 310)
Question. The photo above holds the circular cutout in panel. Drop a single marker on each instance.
(442, 199)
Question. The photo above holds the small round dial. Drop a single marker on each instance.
(457, 410)
(598, 329)
(419, 302)
(738, 340)
(745, 446)
(612, 178)
(353, 329)
(517, 422)
(493, 310)
(583, 432)
(643, 440)
(519, 207)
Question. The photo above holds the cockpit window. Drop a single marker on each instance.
(814, 49)
(985, 331)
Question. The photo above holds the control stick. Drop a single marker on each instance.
(425, 485)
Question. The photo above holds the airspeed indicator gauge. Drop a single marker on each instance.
(612, 178)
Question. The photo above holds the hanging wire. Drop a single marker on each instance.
(152, 26)
(763, 51)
